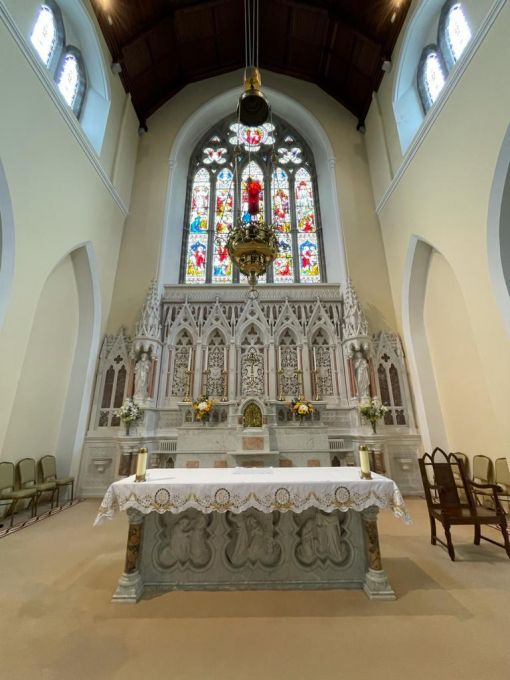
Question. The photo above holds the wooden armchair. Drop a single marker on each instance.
(453, 506)
(11, 496)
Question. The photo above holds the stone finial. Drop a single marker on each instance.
(354, 322)
(149, 325)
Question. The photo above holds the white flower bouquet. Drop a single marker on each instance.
(373, 410)
(130, 411)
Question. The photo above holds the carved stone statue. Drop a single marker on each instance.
(142, 369)
(361, 372)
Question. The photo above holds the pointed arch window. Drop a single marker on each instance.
(217, 197)
(71, 80)
(454, 32)
(432, 76)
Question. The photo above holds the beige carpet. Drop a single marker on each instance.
(452, 620)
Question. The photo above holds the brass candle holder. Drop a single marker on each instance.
(141, 465)
(281, 396)
(187, 396)
(205, 381)
(299, 375)
(318, 395)
(364, 462)
(225, 385)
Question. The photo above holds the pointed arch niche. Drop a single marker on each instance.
(308, 127)
(452, 397)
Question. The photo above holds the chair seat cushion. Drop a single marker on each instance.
(62, 481)
(15, 495)
(483, 515)
(46, 486)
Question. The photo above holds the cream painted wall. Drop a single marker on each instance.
(61, 199)
(42, 386)
(443, 198)
(140, 251)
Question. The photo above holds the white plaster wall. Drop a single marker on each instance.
(443, 197)
(59, 199)
(140, 254)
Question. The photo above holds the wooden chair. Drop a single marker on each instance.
(9, 494)
(482, 474)
(27, 480)
(502, 479)
(48, 468)
(445, 503)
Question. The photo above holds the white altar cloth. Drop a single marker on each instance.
(266, 489)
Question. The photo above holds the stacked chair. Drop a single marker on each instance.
(453, 499)
(27, 487)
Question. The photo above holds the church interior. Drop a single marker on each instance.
(254, 339)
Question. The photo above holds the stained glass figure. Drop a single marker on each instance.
(251, 172)
(309, 271)
(305, 207)
(197, 259)
(252, 137)
(224, 212)
(283, 267)
(458, 33)
(433, 77)
(199, 213)
(44, 34)
(281, 202)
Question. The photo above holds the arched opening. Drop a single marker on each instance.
(252, 415)
(6, 244)
(498, 231)
(50, 409)
(453, 399)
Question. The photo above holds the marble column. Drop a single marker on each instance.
(376, 584)
(130, 586)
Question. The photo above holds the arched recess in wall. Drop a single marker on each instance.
(452, 395)
(6, 244)
(498, 231)
(189, 136)
(50, 409)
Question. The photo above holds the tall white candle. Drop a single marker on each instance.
(299, 359)
(189, 359)
(141, 463)
(279, 356)
(314, 359)
(364, 461)
(225, 353)
(205, 358)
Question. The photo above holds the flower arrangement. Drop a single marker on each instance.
(203, 407)
(130, 412)
(302, 408)
(373, 410)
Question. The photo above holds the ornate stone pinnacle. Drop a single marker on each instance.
(149, 325)
(354, 322)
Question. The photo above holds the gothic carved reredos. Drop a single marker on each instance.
(354, 321)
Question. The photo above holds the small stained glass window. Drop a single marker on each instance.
(431, 76)
(224, 215)
(252, 137)
(196, 264)
(457, 31)
(305, 206)
(283, 267)
(44, 34)
(69, 79)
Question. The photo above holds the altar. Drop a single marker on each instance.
(247, 529)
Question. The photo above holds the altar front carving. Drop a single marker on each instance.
(293, 341)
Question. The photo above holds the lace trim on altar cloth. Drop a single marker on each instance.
(159, 497)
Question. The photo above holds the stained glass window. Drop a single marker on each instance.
(457, 31)
(431, 76)
(71, 80)
(218, 196)
(44, 34)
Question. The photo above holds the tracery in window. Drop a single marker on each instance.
(431, 76)
(44, 34)
(273, 155)
(456, 31)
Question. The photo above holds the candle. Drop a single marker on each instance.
(189, 359)
(205, 358)
(280, 356)
(225, 352)
(141, 465)
(299, 359)
(364, 461)
(314, 359)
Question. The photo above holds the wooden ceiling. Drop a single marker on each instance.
(162, 45)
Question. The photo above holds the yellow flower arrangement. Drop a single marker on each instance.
(302, 408)
(203, 407)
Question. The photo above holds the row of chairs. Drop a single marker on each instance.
(21, 483)
(484, 471)
(454, 499)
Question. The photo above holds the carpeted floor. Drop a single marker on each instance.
(451, 620)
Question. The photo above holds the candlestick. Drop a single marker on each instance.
(364, 462)
(318, 395)
(280, 356)
(314, 359)
(187, 396)
(281, 396)
(225, 386)
(298, 359)
(225, 355)
(189, 359)
(299, 375)
(141, 465)
(206, 357)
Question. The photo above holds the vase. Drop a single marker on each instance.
(374, 427)
(128, 425)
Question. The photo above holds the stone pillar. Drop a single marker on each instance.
(130, 586)
(376, 584)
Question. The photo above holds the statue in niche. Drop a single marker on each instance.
(253, 539)
(252, 416)
(142, 369)
(361, 373)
